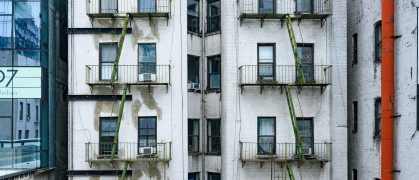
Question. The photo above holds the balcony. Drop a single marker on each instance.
(278, 9)
(284, 152)
(148, 75)
(131, 152)
(281, 75)
(134, 8)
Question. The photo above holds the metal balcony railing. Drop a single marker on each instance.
(154, 152)
(129, 74)
(135, 8)
(319, 75)
(281, 152)
(278, 9)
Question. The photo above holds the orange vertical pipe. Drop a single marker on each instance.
(387, 91)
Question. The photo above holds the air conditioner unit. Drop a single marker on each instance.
(194, 86)
(147, 77)
(307, 151)
(147, 152)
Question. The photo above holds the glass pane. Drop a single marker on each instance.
(5, 31)
(304, 128)
(143, 141)
(266, 54)
(194, 144)
(266, 72)
(214, 128)
(6, 57)
(193, 69)
(146, 6)
(213, 176)
(193, 16)
(214, 144)
(147, 53)
(214, 65)
(214, 8)
(106, 71)
(193, 176)
(108, 52)
(266, 144)
(214, 12)
(25, 123)
(193, 8)
(27, 58)
(27, 25)
(148, 68)
(108, 6)
(108, 125)
(6, 132)
(5, 108)
(6, 7)
(306, 54)
(266, 6)
(267, 126)
(304, 6)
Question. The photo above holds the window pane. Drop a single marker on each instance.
(5, 31)
(267, 126)
(265, 145)
(146, 6)
(306, 57)
(5, 108)
(193, 16)
(6, 7)
(214, 128)
(193, 69)
(266, 6)
(27, 25)
(5, 58)
(108, 6)
(304, 6)
(27, 58)
(305, 128)
(214, 12)
(147, 53)
(108, 52)
(214, 144)
(193, 176)
(266, 54)
(214, 176)
(214, 70)
(6, 132)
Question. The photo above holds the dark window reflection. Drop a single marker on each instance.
(193, 16)
(27, 25)
(5, 31)
(27, 58)
(214, 12)
(5, 58)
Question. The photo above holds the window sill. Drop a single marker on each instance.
(194, 153)
(195, 33)
(213, 91)
(194, 91)
(212, 33)
(213, 153)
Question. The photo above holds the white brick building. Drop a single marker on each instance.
(364, 90)
(206, 82)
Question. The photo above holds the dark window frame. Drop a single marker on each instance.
(28, 112)
(196, 28)
(150, 64)
(197, 175)
(199, 67)
(213, 174)
(209, 73)
(377, 117)
(21, 111)
(100, 59)
(26, 134)
(355, 114)
(101, 146)
(354, 174)
(312, 64)
(19, 134)
(208, 136)
(311, 120)
(100, 8)
(37, 114)
(273, 60)
(258, 135)
(378, 45)
(209, 18)
(155, 131)
(355, 48)
(191, 135)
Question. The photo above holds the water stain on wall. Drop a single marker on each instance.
(149, 169)
(135, 108)
(105, 107)
(150, 102)
(94, 177)
(139, 36)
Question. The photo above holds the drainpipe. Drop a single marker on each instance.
(387, 91)
(203, 128)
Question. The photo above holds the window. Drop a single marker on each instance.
(214, 136)
(214, 72)
(147, 6)
(107, 135)
(193, 16)
(193, 176)
(354, 174)
(355, 48)
(304, 6)
(266, 6)
(147, 131)
(355, 110)
(214, 15)
(266, 62)
(266, 135)
(108, 6)
(36, 134)
(193, 69)
(37, 113)
(214, 176)
(193, 135)
(20, 134)
(306, 56)
(27, 134)
(305, 128)
(107, 58)
(147, 61)
(378, 44)
(377, 113)
(20, 110)
(28, 112)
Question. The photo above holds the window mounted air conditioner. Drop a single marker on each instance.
(307, 151)
(147, 77)
(147, 152)
(194, 86)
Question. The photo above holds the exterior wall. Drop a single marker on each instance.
(364, 85)
(168, 105)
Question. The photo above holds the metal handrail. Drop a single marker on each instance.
(128, 74)
(128, 7)
(281, 152)
(265, 74)
(128, 151)
(320, 7)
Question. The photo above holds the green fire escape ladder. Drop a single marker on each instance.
(294, 123)
(289, 171)
(121, 43)
(294, 47)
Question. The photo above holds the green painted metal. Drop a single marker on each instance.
(125, 170)
(118, 125)
(121, 43)
(289, 170)
(295, 50)
(294, 123)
